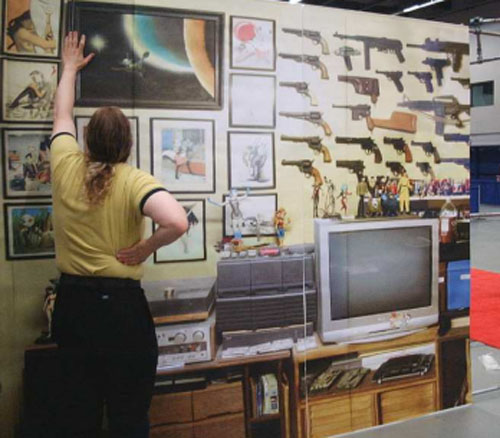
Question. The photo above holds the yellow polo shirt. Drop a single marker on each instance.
(87, 237)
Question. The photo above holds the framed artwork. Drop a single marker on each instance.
(32, 28)
(28, 90)
(253, 43)
(251, 160)
(256, 213)
(252, 101)
(28, 231)
(26, 163)
(183, 154)
(191, 246)
(150, 57)
(81, 123)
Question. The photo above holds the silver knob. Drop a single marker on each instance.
(179, 338)
(198, 336)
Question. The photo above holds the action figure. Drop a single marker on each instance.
(329, 209)
(315, 198)
(233, 201)
(362, 190)
(404, 187)
(281, 223)
(48, 309)
(344, 193)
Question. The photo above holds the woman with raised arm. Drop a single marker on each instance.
(102, 324)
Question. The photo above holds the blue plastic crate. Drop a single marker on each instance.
(458, 285)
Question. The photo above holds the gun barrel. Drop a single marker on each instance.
(348, 140)
(296, 162)
(416, 46)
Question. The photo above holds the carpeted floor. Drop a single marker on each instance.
(485, 307)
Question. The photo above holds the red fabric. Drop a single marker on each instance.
(485, 307)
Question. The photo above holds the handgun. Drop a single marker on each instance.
(354, 166)
(429, 149)
(366, 143)
(396, 167)
(426, 169)
(358, 112)
(425, 77)
(303, 89)
(363, 85)
(315, 143)
(401, 147)
(306, 167)
(313, 35)
(451, 48)
(314, 117)
(346, 52)
(395, 77)
(437, 65)
(313, 61)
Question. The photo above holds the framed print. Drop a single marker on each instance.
(183, 154)
(252, 101)
(32, 28)
(81, 123)
(253, 212)
(150, 57)
(26, 163)
(28, 231)
(251, 160)
(191, 246)
(253, 43)
(28, 90)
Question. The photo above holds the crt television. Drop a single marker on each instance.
(377, 279)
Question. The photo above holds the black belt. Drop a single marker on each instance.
(102, 282)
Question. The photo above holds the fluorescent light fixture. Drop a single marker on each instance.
(419, 6)
(294, 2)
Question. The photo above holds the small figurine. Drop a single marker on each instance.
(315, 198)
(362, 190)
(404, 188)
(344, 193)
(48, 308)
(329, 208)
(281, 224)
(233, 201)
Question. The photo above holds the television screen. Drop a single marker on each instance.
(379, 271)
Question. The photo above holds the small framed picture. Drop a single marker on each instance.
(251, 160)
(28, 230)
(183, 154)
(191, 246)
(26, 163)
(253, 43)
(28, 90)
(81, 123)
(252, 101)
(252, 213)
(32, 28)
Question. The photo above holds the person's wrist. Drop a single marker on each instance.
(148, 247)
(70, 68)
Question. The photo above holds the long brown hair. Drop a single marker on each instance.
(109, 141)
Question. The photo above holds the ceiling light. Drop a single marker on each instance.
(294, 2)
(419, 6)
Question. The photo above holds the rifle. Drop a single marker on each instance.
(426, 169)
(312, 60)
(456, 50)
(460, 161)
(313, 35)
(381, 44)
(306, 167)
(425, 77)
(315, 143)
(366, 143)
(437, 65)
(429, 149)
(301, 88)
(395, 77)
(314, 117)
(400, 146)
(362, 85)
(357, 111)
(464, 82)
(398, 121)
(457, 137)
(354, 166)
(444, 109)
(396, 167)
(346, 52)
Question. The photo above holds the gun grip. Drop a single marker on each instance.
(378, 155)
(369, 123)
(432, 174)
(400, 56)
(326, 128)
(318, 181)
(367, 57)
(348, 63)
(457, 62)
(327, 158)
(437, 158)
(325, 50)
(324, 71)
(408, 155)
(429, 87)
(312, 99)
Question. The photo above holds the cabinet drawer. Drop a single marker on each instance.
(232, 426)
(172, 431)
(406, 403)
(171, 408)
(218, 399)
(340, 415)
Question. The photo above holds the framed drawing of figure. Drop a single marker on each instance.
(253, 43)
(183, 154)
(191, 246)
(141, 49)
(28, 90)
(81, 123)
(26, 163)
(32, 28)
(28, 230)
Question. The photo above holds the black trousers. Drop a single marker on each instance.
(108, 355)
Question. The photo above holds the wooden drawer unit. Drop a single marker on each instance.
(405, 403)
(172, 431)
(218, 399)
(171, 408)
(341, 414)
(231, 426)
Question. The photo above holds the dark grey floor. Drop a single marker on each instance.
(481, 419)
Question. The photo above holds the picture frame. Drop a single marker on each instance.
(142, 48)
(183, 154)
(252, 43)
(191, 246)
(28, 231)
(23, 82)
(251, 160)
(255, 205)
(32, 28)
(26, 163)
(134, 160)
(252, 101)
